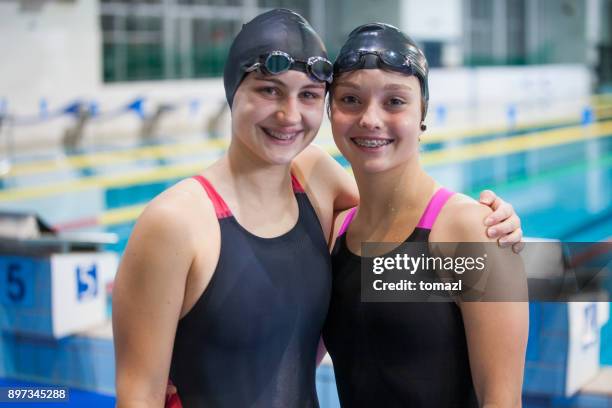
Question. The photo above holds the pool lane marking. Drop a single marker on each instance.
(499, 147)
(527, 180)
(127, 214)
(450, 155)
(115, 157)
(107, 181)
(87, 160)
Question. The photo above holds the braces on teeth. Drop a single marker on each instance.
(371, 143)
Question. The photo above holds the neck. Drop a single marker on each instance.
(398, 191)
(251, 176)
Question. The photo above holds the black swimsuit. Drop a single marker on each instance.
(395, 354)
(251, 338)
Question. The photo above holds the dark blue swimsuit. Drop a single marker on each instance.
(251, 338)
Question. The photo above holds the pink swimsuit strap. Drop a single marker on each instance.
(428, 218)
(347, 220)
(434, 207)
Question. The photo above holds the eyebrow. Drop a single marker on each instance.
(348, 84)
(389, 87)
(313, 85)
(397, 87)
(270, 79)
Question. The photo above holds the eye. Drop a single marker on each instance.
(269, 91)
(349, 100)
(311, 95)
(396, 102)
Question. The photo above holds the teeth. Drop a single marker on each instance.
(280, 135)
(371, 142)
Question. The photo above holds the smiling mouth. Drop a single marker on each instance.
(371, 143)
(284, 136)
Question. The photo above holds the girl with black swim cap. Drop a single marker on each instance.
(225, 282)
(410, 354)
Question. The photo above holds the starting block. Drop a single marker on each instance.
(52, 285)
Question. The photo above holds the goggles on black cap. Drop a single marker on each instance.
(278, 62)
(359, 59)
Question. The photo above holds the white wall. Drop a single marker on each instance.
(51, 53)
(481, 97)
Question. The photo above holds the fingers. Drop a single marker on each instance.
(518, 247)
(503, 222)
(487, 197)
(501, 214)
(504, 227)
(511, 239)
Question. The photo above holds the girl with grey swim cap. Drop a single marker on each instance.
(226, 277)
(410, 354)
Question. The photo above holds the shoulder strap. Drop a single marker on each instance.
(221, 209)
(434, 207)
(347, 220)
(297, 187)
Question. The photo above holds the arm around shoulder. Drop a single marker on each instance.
(147, 300)
(321, 168)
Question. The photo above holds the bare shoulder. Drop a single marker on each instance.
(310, 157)
(461, 219)
(324, 176)
(309, 167)
(329, 187)
(174, 222)
(319, 168)
(183, 206)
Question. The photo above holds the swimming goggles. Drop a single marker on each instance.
(356, 59)
(278, 62)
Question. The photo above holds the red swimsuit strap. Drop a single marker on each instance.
(221, 208)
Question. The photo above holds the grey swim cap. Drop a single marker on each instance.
(276, 30)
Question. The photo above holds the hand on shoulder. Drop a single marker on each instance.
(461, 220)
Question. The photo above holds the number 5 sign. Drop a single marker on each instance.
(54, 295)
(16, 281)
(87, 282)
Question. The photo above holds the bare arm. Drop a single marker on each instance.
(332, 189)
(496, 332)
(147, 300)
(497, 338)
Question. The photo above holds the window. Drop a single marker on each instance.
(171, 39)
(495, 32)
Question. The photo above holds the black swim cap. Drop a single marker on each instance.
(379, 45)
(275, 30)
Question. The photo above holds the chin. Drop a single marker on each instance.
(373, 167)
(282, 156)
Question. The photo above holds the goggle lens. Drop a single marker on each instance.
(321, 69)
(278, 63)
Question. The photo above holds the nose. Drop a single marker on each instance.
(289, 111)
(370, 118)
